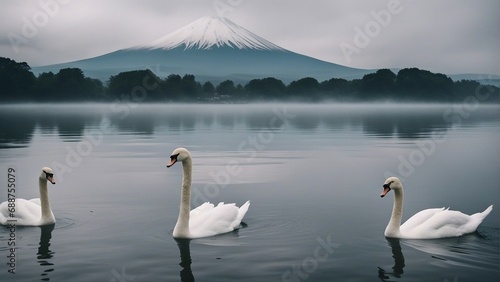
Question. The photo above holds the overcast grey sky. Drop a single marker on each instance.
(452, 36)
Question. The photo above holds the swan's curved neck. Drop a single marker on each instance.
(182, 227)
(392, 229)
(47, 215)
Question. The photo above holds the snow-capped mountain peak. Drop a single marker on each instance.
(209, 32)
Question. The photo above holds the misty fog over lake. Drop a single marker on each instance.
(312, 172)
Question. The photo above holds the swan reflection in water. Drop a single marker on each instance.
(44, 254)
(399, 261)
(223, 240)
(471, 251)
(186, 273)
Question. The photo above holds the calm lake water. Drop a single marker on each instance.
(313, 174)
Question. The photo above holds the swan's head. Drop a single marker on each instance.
(179, 154)
(48, 175)
(389, 184)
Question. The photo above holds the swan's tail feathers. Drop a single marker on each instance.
(486, 212)
(242, 211)
(482, 215)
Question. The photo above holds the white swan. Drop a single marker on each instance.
(429, 223)
(35, 212)
(207, 219)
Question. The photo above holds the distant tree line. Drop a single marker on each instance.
(18, 84)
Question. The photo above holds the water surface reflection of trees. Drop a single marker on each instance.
(70, 122)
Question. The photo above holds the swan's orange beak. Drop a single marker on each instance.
(172, 162)
(386, 190)
(51, 179)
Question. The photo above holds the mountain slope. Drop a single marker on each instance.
(212, 49)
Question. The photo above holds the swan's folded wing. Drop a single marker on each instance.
(444, 224)
(4, 213)
(203, 208)
(36, 201)
(214, 221)
(419, 218)
(454, 223)
(27, 212)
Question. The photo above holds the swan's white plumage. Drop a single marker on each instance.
(34, 212)
(441, 223)
(28, 213)
(429, 223)
(420, 217)
(207, 219)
